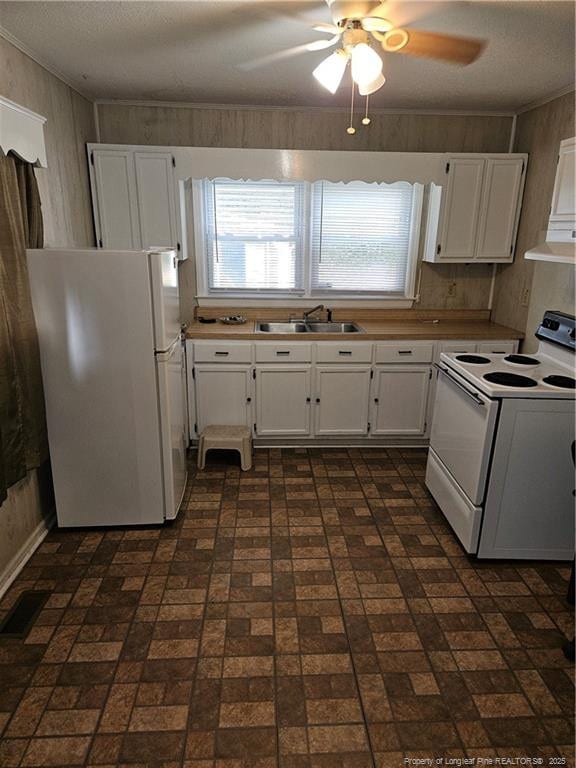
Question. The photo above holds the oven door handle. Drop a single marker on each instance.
(477, 399)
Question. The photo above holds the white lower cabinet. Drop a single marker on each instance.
(283, 400)
(341, 400)
(223, 395)
(399, 399)
(304, 390)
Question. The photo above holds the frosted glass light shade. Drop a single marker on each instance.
(367, 88)
(366, 64)
(330, 72)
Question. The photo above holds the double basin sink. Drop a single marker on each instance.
(311, 327)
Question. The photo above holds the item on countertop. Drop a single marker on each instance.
(206, 320)
(233, 320)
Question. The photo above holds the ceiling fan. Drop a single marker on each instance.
(358, 24)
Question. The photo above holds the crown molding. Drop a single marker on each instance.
(547, 99)
(10, 38)
(301, 108)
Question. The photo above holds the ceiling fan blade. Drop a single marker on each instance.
(330, 29)
(431, 45)
(262, 61)
(352, 9)
(319, 45)
(376, 24)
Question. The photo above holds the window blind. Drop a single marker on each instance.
(361, 237)
(253, 235)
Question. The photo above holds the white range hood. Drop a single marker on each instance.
(549, 250)
(559, 241)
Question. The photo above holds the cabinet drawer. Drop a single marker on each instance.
(275, 352)
(222, 352)
(496, 347)
(344, 352)
(404, 352)
(462, 347)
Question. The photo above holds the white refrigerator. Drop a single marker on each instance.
(114, 383)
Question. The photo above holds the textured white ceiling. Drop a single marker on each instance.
(205, 51)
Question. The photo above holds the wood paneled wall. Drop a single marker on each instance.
(299, 129)
(65, 195)
(324, 129)
(551, 286)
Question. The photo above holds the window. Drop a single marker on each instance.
(253, 235)
(271, 238)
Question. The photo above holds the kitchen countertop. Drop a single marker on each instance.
(374, 330)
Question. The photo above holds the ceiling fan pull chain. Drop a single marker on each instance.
(351, 130)
(366, 119)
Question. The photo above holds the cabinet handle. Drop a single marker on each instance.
(375, 399)
(282, 352)
(248, 399)
(317, 399)
(345, 352)
(404, 351)
(221, 354)
(308, 399)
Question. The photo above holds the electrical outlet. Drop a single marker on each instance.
(452, 288)
(525, 299)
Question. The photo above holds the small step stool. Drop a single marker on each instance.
(226, 438)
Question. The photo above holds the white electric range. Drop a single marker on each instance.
(500, 464)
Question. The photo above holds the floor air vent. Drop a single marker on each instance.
(23, 614)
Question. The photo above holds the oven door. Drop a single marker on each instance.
(462, 431)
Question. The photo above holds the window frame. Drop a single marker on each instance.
(306, 292)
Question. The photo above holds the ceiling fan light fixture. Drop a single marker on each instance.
(376, 24)
(368, 88)
(366, 64)
(395, 40)
(330, 71)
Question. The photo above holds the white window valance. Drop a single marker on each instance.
(307, 165)
(22, 133)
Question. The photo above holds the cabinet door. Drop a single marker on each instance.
(461, 208)
(116, 201)
(341, 400)
(283, 399)
(400, 395)
(156, 198)
(223, 395)
(190, 390)
(503, 182)
(563, 197)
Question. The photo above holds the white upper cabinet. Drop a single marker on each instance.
(461, 209)
(503, 178)
(134, 197)
(114, 198)
(156, 198)
(563, 209)
(473, 216)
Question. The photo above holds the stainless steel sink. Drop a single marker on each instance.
(333, 328)
(281, 327)
(312, 327)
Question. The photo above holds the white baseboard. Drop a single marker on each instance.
(25, 553)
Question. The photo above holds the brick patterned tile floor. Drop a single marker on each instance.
(314, 612)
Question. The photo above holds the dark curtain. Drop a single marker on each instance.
(23, 440)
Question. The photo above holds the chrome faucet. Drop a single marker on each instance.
(317, 308)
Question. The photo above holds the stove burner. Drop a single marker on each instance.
(475, 359)
(566, 382)
(509, 379)
(521, 360)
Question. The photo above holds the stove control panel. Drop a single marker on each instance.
(558, 328)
